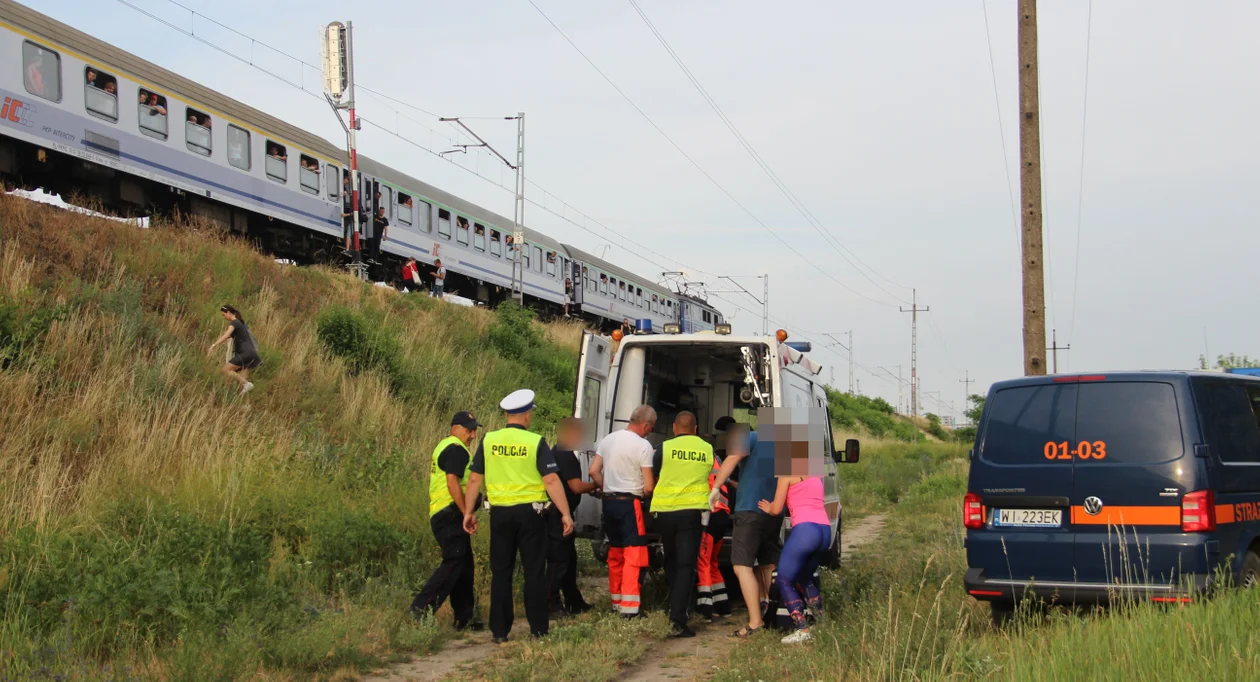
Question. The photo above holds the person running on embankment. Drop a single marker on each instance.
(244, 349)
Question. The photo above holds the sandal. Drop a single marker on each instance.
(745, 632)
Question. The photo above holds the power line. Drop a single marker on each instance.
(997, 101)
(827, 236)
(697, 166)
(1080, 190)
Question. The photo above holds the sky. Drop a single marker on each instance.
(893, 124)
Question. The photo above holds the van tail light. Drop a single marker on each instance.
(973, 511)
(1198, 511)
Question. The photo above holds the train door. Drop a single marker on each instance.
(575, 279)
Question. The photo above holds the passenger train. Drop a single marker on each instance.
(80, 117)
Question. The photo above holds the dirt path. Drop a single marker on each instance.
(674, 659)
(695, 659)
(437, 665)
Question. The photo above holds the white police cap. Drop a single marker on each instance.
(518, 401)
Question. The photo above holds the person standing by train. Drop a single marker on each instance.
(710, 583)
(679, 501)
(520, 474)
(439, 278)
(244, 349)
(622, 468)
(448, 475)
(347, 209)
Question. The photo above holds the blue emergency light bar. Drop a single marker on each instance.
(799, 346)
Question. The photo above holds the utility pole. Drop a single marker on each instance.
(914, 350)
(1030, 193)
(338, 52)
(967, 382)
(518, 207)
(1055, 348)
(849, 349)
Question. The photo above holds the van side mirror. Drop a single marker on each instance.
(850, 453)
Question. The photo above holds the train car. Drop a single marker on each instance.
(83, 119)
(696, 315)
(611, 294)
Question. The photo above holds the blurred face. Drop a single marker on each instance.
(464, 434)
(110, 88)
(569, 437)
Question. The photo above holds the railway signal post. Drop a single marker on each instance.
(338, 51)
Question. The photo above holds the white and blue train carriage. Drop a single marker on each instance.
(79, 117)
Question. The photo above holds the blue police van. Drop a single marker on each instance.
(1086, 488)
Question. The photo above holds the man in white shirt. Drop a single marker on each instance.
(439, 278)
(623, 468)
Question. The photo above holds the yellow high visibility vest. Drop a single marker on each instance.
(686, 462)
(439, 495)
(511, 464)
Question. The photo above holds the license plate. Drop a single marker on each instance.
(1028, 518)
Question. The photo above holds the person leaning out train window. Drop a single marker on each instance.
(90, 77)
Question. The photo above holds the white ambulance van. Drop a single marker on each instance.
(712, 374)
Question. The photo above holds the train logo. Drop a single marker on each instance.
(17, 111)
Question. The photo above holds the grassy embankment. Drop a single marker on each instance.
(152, 519)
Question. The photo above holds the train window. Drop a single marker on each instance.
(621, 290)
(308, 174)
(496, 243)
(100, 94)
(551, 263)
(538, 257)
(152, 114)
(525, 256)
(479, 236)
(461, 230)
(705, 315)
(404, 209)
(197, 131)
(42, 69)
(444, 223)
(603, 285)
(333, 177)
(277, 162)
(638, 293)
(422, 217)
(238, 151)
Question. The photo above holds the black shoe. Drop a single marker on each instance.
(632, 616)
(681, 631)
(500, 640)
(579, 609)
(471, 626)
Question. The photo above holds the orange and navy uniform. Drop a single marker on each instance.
(710, 585)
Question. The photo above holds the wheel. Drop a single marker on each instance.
(1249, 577)
(1002, 613)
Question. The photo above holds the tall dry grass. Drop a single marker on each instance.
(146, 509)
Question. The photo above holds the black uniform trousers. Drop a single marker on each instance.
(561, 564)
(517, 528)
(680, 535)
(454, 576)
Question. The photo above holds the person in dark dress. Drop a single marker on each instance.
(562, 549)
(244, 349)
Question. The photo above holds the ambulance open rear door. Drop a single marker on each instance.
(591, 406)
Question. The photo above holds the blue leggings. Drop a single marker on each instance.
(802, 553)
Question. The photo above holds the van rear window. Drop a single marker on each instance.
(1022, 420)
(1135, 422)
(1116, 422)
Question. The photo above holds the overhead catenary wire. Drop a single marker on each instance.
(700, 168)
(814, 222)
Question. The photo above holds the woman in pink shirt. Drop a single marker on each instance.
(804, 550)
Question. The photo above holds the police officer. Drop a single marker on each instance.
(448, 475)
(679, 501)
(520, 473)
